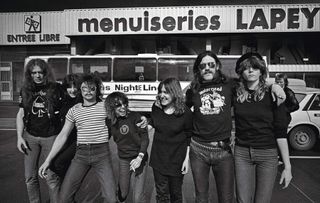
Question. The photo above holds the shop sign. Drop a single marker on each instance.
(132, 88)
(33, 29)
(198, 19)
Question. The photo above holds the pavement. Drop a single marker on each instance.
(304, 187)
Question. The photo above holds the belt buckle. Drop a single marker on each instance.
(214, 144)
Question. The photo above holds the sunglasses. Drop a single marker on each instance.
(87, 89)
(204, 65)
(120, 105)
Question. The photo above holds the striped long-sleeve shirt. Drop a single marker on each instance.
(90, 123)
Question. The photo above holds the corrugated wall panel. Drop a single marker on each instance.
(294, 68)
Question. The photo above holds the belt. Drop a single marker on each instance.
(91, 144)
(223, 144)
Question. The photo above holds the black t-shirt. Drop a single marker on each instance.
(170, 141)
(130, 139)
(42, 115)
(259, 123)
(212, 111)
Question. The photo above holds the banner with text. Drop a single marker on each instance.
(26, 28)
(194, 19)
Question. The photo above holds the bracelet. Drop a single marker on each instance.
(141, 155)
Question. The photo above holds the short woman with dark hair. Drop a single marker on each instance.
(132, 143)
(260, 128)
(172, 121)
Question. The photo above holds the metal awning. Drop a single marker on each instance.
(294, 68)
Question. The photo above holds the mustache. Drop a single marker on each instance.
(208, 71)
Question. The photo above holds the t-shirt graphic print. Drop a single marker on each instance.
(211, 101)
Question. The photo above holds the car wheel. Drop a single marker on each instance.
(302, 138)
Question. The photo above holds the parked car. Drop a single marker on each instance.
(304, 129)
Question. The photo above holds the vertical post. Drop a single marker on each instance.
(305, 62)
(73, 47)
(208, 45)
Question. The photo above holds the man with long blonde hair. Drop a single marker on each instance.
(38, 123)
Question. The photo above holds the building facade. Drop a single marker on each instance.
(284, 33)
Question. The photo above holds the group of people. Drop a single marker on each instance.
(194, 128)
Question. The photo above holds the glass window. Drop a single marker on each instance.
(289, 74)
(180, 68)
(18, 75)
(313, 79)
(6, 81)
(299, 96)
(59, 67)
(100, 66)
(134, 69)
(228, 67)
(316, 103)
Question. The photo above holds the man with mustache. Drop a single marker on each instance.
(92, 151)
(211, 95)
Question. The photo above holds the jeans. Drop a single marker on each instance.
(256, 171)
(168, 188)
(39, 146)
(62, 161)
(92, 156)
(137, 183)
(220, 161)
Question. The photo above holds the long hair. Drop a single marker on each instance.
(242, 92)
(195, 84)
(173, 88)
(68, 81)
(283, 76)
(112, 102)
(91, 79)
(29, 86)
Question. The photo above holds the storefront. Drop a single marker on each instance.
(284, 33)
(22, 35)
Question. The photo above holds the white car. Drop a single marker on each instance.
(304, 128)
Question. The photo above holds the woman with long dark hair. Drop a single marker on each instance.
(261, 127)
(62, 161)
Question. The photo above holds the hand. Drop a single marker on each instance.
(143, 123)
(22, 145)
(42, 170)
(286, 177)
(278, 94)
(185, 166)
(135, 163)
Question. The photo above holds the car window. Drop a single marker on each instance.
(300, 96)
(316, 103)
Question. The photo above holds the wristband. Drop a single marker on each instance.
(141, 155)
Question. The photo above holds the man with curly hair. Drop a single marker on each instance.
(38, 123)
